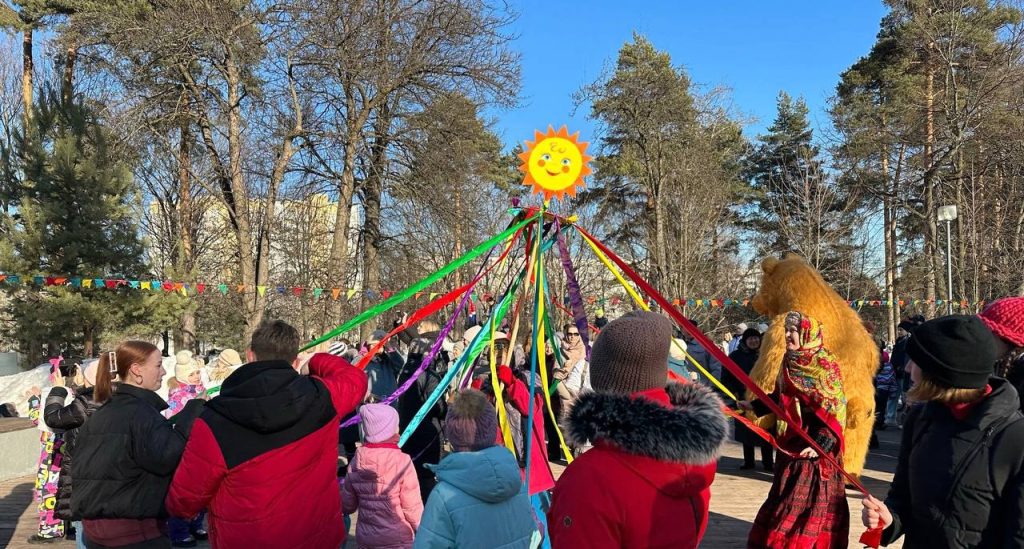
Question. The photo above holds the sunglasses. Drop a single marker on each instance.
(576, 334)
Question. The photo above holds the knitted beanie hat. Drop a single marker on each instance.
(184, 366)
(1005, 317)
(955, 351)
(379, 422)
(472, 422)
(89, 371)
(631, 354)
(228, 358)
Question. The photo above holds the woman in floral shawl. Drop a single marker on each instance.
(806, 506)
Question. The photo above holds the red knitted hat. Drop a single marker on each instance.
(1005, 317)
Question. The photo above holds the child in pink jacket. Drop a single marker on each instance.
(381, 484)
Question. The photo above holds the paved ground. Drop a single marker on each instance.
(735, 498)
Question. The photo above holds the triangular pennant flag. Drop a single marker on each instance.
(200, 288)
(240, 288)
(746, 302)
(51, 281)
(167, 286)
(75, 282)
(675, 302)
(13, 280)
(281, 290)
(418, 294)
(97, 282)
(371, 295)
(39, 280)
(616, 301)
(183, 288)
(335, 292)
(223, 289)
(111, 284)
(350, 293)
(61, 281)
(134, 284)
(145, 284)
(385, 294)
(433, 295)
(4, 277)
(317, 292)
(297, 291)
(87, 283)
(262, 290)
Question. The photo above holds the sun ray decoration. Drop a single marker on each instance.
(555, 163)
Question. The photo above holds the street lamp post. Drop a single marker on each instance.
(948, 214)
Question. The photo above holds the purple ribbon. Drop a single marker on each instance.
(429, 357)
(575, 297)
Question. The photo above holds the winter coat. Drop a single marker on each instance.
(885, 380)
(646, 482)
(518, 395)
(263, 457)
(383, 372)
(67, 420)
(126, 454)
(381, 484)
(708, 362)
(480, 501)
(960, 483)
(180, 396)
(745, 359)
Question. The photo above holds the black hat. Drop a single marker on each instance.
(956, 351)
(748, 333)
(909, 324)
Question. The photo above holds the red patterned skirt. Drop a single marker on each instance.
(806, 508)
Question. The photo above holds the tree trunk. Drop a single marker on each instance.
(373, 188)
(254, 304)
(89, 342)
(961, 231)
(185, 257)
(931, 248)
(27, 72)
(337, 263)
(891, 319)
(67, 89)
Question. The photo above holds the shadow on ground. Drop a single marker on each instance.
(730, 466)
(725, 532)
(13, 506)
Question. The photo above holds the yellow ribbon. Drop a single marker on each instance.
(643, 305)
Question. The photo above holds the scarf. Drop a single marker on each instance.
(573, 353)
(811, 380)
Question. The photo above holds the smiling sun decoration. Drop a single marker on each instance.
(555, 163)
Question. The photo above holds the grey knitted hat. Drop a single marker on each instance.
(631, 354)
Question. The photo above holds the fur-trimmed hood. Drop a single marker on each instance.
(691, 431)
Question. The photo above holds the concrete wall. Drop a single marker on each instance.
(19, 447)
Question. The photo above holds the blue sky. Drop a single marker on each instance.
(756, 48)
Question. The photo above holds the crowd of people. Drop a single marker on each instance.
(248, 452)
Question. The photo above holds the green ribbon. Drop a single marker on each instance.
(418, 286)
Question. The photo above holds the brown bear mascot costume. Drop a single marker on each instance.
(791, 284)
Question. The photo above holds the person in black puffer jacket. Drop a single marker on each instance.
(126, 453)
(959, 479)
(745, 356)
(67, 420)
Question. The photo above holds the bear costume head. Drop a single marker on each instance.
(791, 284)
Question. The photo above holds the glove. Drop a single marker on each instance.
(505, 375)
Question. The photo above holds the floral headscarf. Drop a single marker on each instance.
(811, 375)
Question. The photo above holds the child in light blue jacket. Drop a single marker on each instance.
(480, 499)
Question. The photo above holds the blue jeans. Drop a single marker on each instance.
(181, 529)
(891, 408)
(79, 534)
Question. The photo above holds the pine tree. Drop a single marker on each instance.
(71, 213)
(794, 205)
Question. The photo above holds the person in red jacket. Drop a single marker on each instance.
(646, 482)
(263, 456)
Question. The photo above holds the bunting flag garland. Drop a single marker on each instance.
(192, 289)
